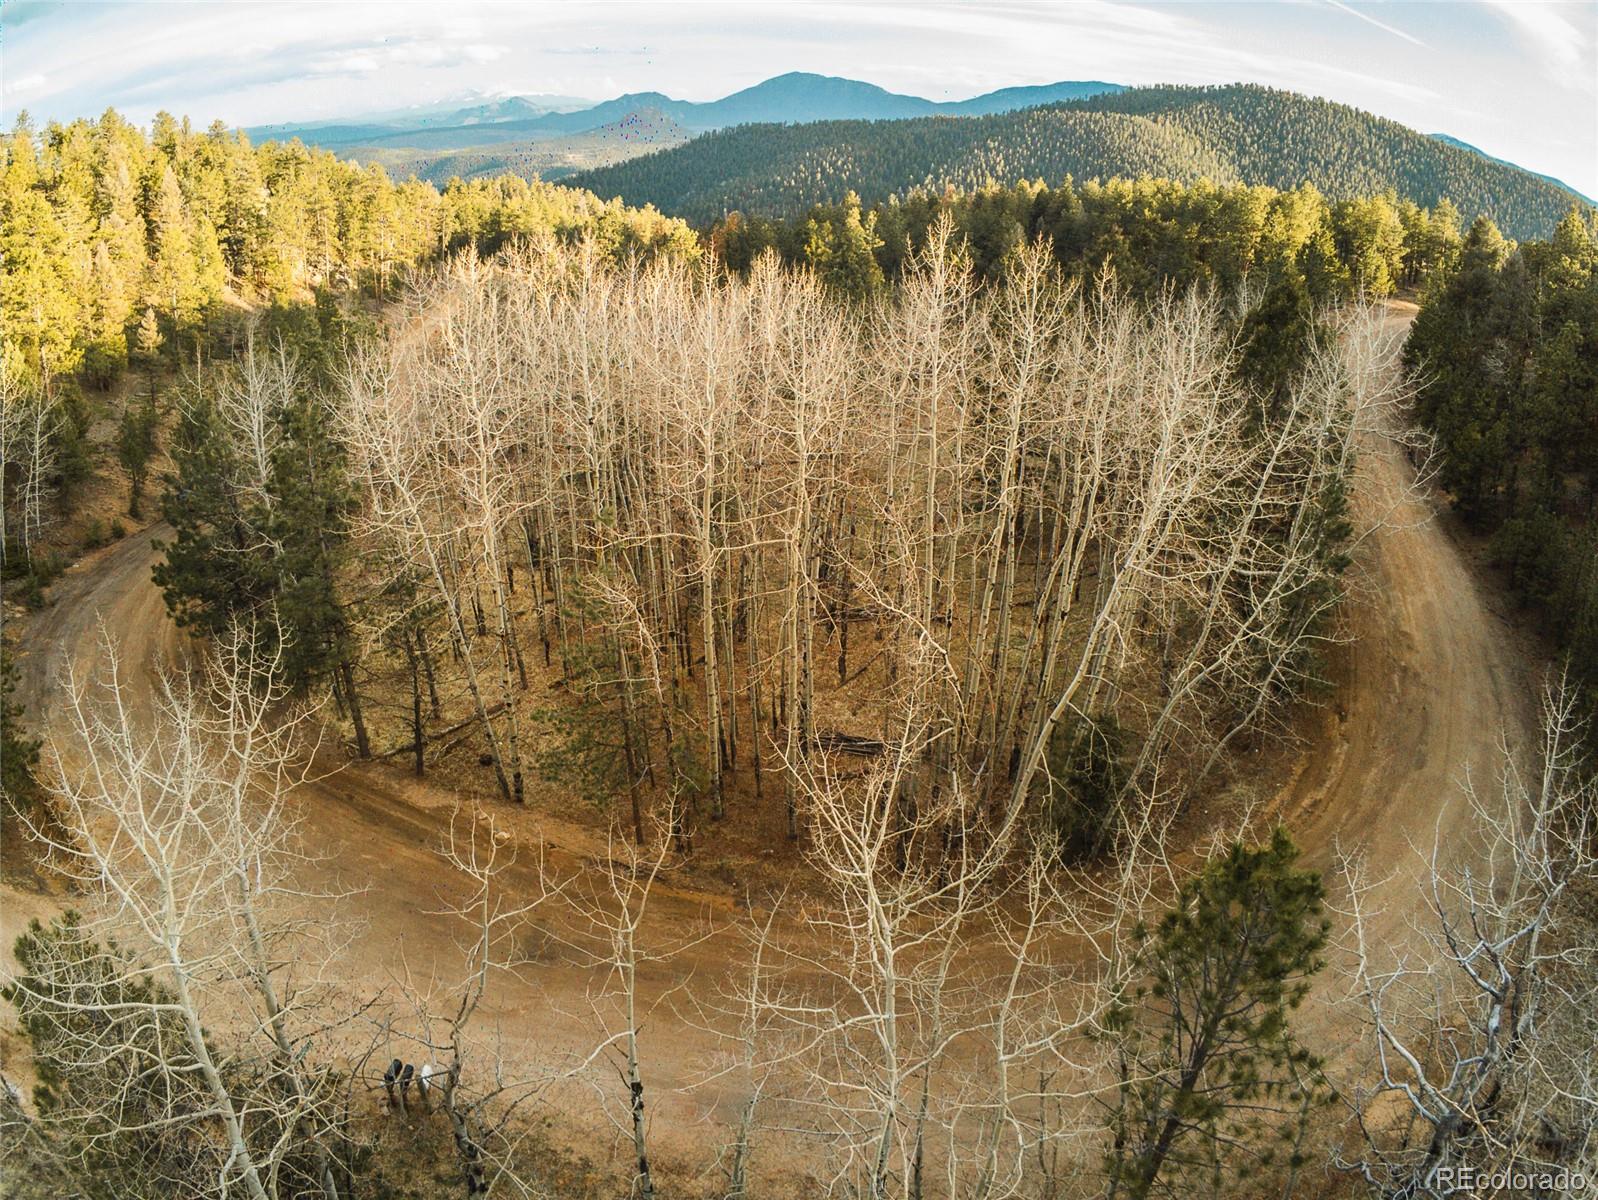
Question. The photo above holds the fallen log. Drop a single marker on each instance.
(848, 743)
(431, 736)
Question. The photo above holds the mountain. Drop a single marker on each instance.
(458, 113)
(1011, 98)
(604, 113)
(329, 135)
(551, 158)
(1463, 145)
(798, 96)
(794, 97)
(1235, 133)
(505, 108)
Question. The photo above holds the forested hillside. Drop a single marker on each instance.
(1506, 351)
(776, 170)
(117, 244)
(1149, 232)
(1240, 133)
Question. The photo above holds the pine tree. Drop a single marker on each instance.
(39, 299)
(1278, 335)
(218, 564)
(107, 1118)
(174, 276)
(1208, 1064)
(309, 525)
(1448, 349)
(19, 753)
(106, 351)
(136, 444)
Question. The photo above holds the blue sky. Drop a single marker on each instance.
(1517, 78)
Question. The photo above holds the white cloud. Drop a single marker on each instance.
(1564, 44)
(27, 83)
(346, 64)
(1370, 20)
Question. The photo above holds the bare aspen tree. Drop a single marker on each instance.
(1032, 1021)
(401, 444)
(808, 376)
(1484, 1054)
(250, 398)
(1272, 587)
(478, 1090)
(475, 384)
(29, 424)
(614, 907)
(179, 831)
(751, 1061)
(698, 385)
(876, 1032)
(1160, 445)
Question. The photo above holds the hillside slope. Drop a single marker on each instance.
(1238, 133)
(777, 170)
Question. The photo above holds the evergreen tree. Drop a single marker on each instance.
(105, 353)
(1504, 352)
(19, 753)
(1208, 1064)
(104, 1128)
(136, 445)
(174, 278)
(1278, 335)
(40, 311)
(840, 249)
(218, 563)
(1370, 240)
(269, 553)
(1447, 349)
(309, 525)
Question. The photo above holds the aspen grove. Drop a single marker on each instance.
(1033, 543)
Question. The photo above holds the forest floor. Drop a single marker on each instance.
(1432, 677)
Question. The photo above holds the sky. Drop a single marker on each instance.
(1516, 78)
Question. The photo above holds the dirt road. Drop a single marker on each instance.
(1433, 676)
(1430, 681)
(378, 831)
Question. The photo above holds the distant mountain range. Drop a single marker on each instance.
(639, 132)
(458, 112)
(792, 98)
(1236, 133)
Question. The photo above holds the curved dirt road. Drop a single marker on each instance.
(378, 831)
(1431, 680)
